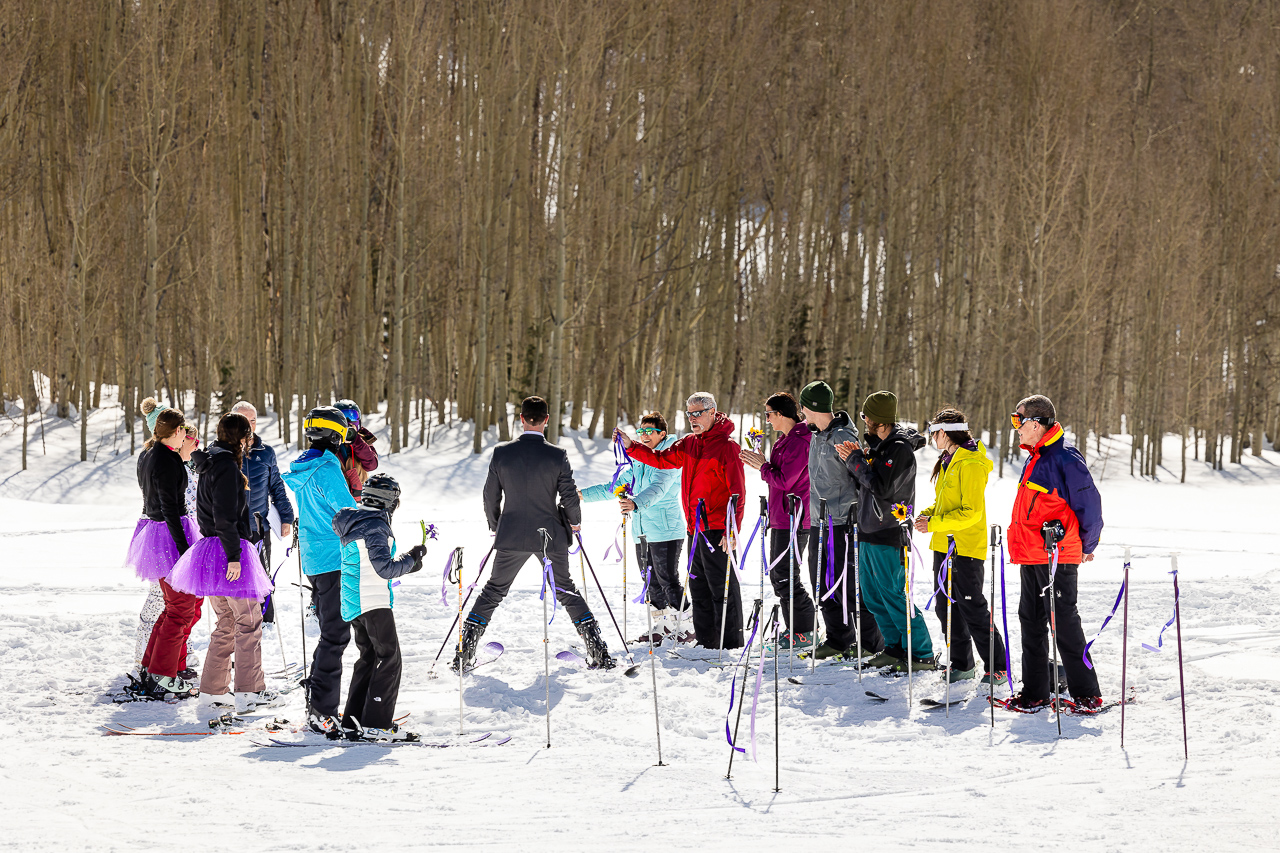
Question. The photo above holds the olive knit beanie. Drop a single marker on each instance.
(881, 408)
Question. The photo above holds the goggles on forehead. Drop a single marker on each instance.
(963, 426)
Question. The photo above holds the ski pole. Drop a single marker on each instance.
(951, 547)
(823, 533)
(625, 516)
(776, 754)
(1182, 687)
(647, 572)
(857, 599)
(1004, 613)
(902, 512)
(731, 547)
(1124, 647)
(699, 512)
(793, 513)
(991, 632)
(764, 537)
(546, 648)
(431, 673)
(1052, 533)
(633, 670)
(302, 616)
(583, 568)
(742, 698)
(456, 569)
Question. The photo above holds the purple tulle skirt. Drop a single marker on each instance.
(152, 552)
(203, 571)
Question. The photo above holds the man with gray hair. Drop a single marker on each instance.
(266, 489)
(710, 471)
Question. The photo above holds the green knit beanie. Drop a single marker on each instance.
(881, 408)
(817, 396)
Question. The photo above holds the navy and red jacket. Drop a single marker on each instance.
(1055, 484)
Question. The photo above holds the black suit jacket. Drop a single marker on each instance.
(525, 478)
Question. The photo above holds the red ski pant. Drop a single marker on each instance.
(167, 648)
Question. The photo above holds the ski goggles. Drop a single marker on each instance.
(648, 431)
(1018, 420)
(696, 414)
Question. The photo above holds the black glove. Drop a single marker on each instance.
(417, 552)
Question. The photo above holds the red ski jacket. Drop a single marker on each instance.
(1055, 483)
(710, 470)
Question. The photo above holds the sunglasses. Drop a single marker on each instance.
(697, 414)
(648, 431)
(769, 414)
(1018, 420)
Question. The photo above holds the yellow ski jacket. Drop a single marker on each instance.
(960, 504)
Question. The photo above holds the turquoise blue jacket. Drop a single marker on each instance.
(658, 515)
(320, 489)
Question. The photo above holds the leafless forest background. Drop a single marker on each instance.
(616, 203)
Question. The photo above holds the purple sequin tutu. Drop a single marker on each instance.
(152, 552)
(203, 571)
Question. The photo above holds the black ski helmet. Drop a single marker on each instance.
(351, 410)
(381, 491)
(327, 425)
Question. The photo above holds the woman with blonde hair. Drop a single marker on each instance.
(224, 566)
(162, 536)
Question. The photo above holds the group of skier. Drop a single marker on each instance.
(844, 496)
(839, 495)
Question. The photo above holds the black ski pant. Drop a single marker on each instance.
(1033, 615)
(781, 576)
(324, 686)
(706, 591)
(664, 586)
(841, 634)
(507, 564)
(375, 680)
(974, 622)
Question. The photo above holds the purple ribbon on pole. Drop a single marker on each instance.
(697, 534)
(755, 697)
(750, 539)
(1105, 622)
(940, 589)
(617, 545)
(645, 572)
(548, 578)
(841, 583)
(733, 687)
(831, 555)
(1159, 646)
(444, 583)
(621, 460)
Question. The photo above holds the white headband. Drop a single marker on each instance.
(960, 427)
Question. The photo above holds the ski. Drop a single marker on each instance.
(938, 705)
(575, 659)
(225, 725)
(877, 696)
(136, 691)
(481, 740)
(494, 651)
(791, 679)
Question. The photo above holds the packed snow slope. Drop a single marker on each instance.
(878, 776)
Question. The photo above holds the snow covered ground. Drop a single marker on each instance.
(856, 772)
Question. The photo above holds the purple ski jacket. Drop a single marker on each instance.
(787, 473)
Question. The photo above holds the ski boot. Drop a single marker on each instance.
(655, 634)
(161, 687)
(598, 656)
(999, 679)
(466, 653)
(917, 665)
(249, 701)
(393, 734)
(962, 674)
(328, 725)
(792, 639)
(891, 656)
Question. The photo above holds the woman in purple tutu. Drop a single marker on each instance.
(162, 536)
(154, 604)
(225, 568)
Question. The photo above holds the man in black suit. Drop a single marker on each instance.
(525, 478)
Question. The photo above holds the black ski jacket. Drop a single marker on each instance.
(222, 498)
(163, 478)
(886, 475)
